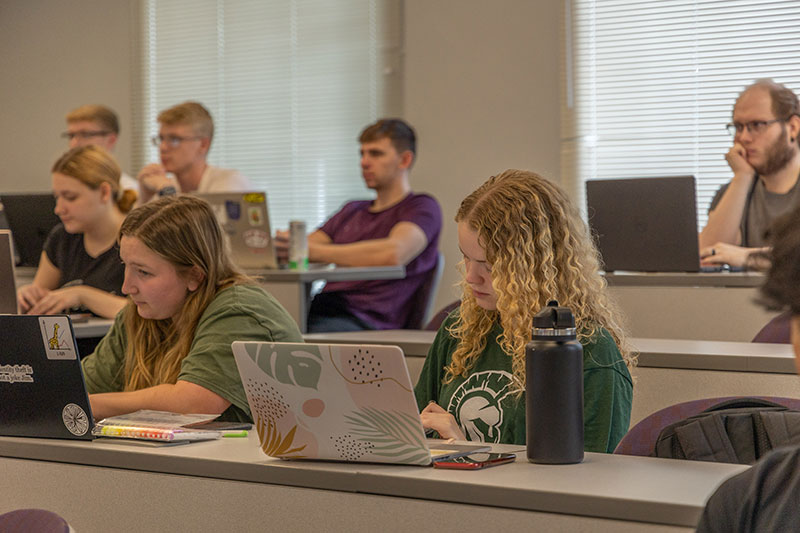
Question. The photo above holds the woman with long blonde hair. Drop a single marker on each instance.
(79, 268)
(523, 244)
(170, 348)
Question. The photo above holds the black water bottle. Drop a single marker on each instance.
(554, 388)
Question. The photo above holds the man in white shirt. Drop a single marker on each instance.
(184, 139)
(96, 124)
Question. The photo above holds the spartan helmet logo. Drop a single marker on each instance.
(476, 404)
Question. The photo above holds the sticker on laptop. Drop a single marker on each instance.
(255, 198)
(75, 419)
(233, 210)
(254, 238)
(57, 337)
(16, 374)
(254, 216)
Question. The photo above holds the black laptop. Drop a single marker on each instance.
(645, 224)
(42, 393)
(30, 218)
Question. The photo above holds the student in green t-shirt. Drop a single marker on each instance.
(170, 347)
(523, 244)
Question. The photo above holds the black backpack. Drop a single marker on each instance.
(735, 431)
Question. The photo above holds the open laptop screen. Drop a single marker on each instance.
(30, 219)
(645, 224)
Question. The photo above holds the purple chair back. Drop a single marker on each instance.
(439, 317)
(641, 438)
(39, 520)
(776, 331)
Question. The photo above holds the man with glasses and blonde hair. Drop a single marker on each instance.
(183, 141)
(96, 124)
(765, 160)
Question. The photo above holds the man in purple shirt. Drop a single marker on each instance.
(398, 227)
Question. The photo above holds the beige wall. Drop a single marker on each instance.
(480, 86)
(482, 89)
(55, 56)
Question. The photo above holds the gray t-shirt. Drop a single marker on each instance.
(762, 208)
(763, 498)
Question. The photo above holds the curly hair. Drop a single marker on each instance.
(538, 249)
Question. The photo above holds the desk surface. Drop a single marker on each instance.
(660, 353)
(615, 487)
(330, 273)
(94, 327)
(685, 279)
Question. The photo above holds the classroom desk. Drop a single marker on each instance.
(292, 288)
(669, 371)
(230, 485)
(94, 327)
(704, 306)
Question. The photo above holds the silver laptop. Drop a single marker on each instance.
(42, 392)
(337, 402)
(645, 224)
(244, 218)
(8, 290)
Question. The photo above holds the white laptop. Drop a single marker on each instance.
(337, 402)
(244, 219)
(8, 290)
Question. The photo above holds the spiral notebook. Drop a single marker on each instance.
(337, 402)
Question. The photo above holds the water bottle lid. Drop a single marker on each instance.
(554, 323)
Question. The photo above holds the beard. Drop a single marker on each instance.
(779, 154)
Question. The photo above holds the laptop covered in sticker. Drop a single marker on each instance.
(42, 392)
(244, 219)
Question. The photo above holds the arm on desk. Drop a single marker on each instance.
(729, 254)
(182, 397)
(405, 241)
(97, 301)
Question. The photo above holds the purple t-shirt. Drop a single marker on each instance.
(385, 304)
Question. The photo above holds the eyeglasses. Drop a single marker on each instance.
(754, 126)
(84, 134)
(173, 141)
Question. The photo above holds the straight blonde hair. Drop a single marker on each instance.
(93, 166)
(184, 231)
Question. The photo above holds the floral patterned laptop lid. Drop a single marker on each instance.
(336, 402)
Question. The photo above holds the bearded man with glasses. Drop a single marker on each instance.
(183, 141)
(765, 160)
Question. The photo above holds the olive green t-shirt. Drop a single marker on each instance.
(486, 408)
(239, 312)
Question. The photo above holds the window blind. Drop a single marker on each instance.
(650, 85)
(290, 84)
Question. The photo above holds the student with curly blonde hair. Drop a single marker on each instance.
(170, 348)
(79, 268)
(523, 244)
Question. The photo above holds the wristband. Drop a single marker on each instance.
(169, 190)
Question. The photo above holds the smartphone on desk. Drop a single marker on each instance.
(476, 461)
